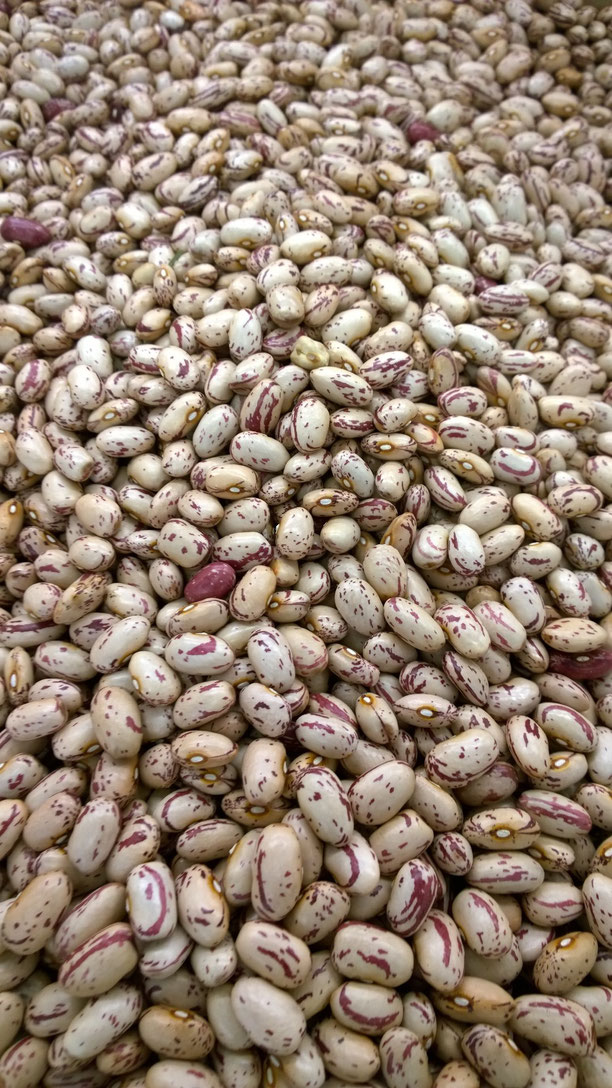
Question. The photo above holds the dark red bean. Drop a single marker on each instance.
(215, 580)
(27, 232)
(53, 106)
(421, 130)
(593, 666)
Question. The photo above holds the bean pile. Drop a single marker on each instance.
(306, 544)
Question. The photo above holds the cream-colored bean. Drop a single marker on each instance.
(571, 1030)
(102, 1021)
(272, 1018)
(305, 535)
(273, 954)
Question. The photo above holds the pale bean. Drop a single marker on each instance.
(272, 1018)
(570, 1030)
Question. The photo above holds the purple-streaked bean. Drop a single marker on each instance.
(435, 804)
(138, 841)
(528, 744)
(200, 748)
(39, 719)
(102, 1021)
(208, 840)
(501, 971)
(271, 658)
(263, 771)
(100, 962)
(556, 815)
(51, 1010)
(452, 853)
(23, 929)
(332, 819)
(413, 624)
(503, 873)
(484, 926)
(598, 1001)
(457, 1073)
(458, 760)
(242, 550)
(25, 1062)
(567, 726)
(496, 1056)
(401, 838)
(326, 736)
(354, 866)
(439, 952)
(276, 872)
(202, 910)
(597, 893)
(94, 834)
(266, 709)
(169, 1071)
(99, 909)
(370, 1008)
(501, 826)
(549, 1068)
(151, 901)
(318, 911)
(551, 1020)
(273, 954)
(12, 1006)
(379, 794)
(198, 654)
(415, 889)
(369, 954)
(553, 904)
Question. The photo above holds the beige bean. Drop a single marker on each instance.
(97, 910)
(272, 1018)
(23, 929)
(352, 954)
(12, 1006)
(597, 892)
(100, 962)
(373, 1009)
(202, 909)
(547, 1067)
(273, 954)
(198, 654)
(484, 926)
(496, 1056)
(571, 1030)
(476, 1000)
(564, 963)
(347, 1054)
(151, 901)
(94, 834)
(318, 911)
(175, 1033)
(172, 1071)
(102, 1021)
(277, 872)
(25, 1062)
